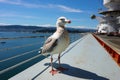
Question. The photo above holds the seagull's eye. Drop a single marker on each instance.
(62, 19)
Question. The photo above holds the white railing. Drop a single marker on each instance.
(18, 64)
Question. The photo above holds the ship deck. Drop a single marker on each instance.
(85, 59)
(112, 41)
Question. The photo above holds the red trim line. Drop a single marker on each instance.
(112, 52)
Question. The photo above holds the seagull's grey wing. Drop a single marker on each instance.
(49, 45)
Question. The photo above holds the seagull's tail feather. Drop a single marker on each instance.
(40, 51)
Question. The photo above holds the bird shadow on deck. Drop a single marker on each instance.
(76, 72)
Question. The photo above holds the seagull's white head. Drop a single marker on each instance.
(61, 21)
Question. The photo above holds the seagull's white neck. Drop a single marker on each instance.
(60, 28)
(58, 32)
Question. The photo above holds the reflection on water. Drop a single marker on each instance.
(14, 47)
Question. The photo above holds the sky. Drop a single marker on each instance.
(45, 12)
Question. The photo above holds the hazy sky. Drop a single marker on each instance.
(45, 12)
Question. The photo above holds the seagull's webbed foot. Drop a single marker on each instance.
(61, 68)
(53, 72)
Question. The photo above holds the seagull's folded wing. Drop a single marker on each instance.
(49, 45)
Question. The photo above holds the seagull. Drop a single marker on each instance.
(57, 42)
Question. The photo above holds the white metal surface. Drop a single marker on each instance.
(112, 4)
(85, 59)
(104, 24)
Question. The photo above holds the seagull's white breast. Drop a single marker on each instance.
(63, 43)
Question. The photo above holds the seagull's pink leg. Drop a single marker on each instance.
(60, 68)
(59, 60)
(52, 70)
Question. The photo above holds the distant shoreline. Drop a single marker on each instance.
(38, 29)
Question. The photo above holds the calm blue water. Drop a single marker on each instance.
(37, 43)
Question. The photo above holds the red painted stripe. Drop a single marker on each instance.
(112, 52)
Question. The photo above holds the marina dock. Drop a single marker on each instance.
(85, 59)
